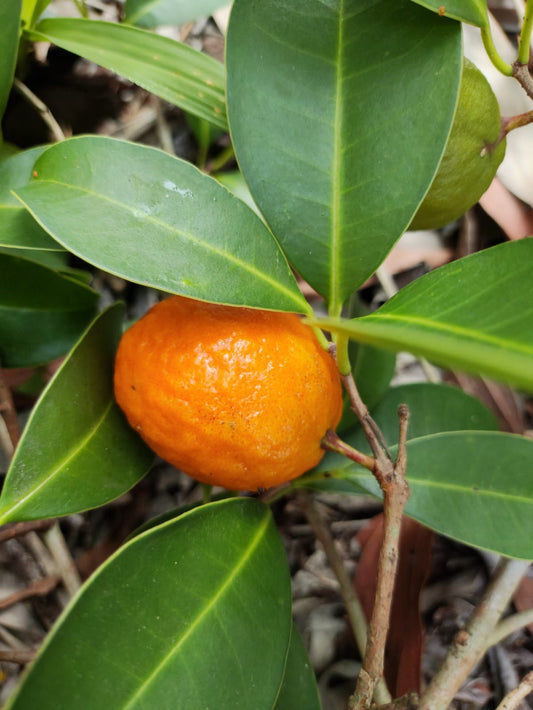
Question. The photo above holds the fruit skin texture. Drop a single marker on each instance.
(234, 397)
(469, 162)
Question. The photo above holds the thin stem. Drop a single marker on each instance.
(331, 442)
(515, 697)
(492, 52)
(65, 564)
(8, 411)
(522, 75)
(509, 626)
(391, 478)
(354, 609)
(47, 116)
(525, 33)
(509, 124)
(471, 642)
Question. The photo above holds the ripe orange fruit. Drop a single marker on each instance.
(235, 397)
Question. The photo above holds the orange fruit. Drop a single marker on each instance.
(234, 397)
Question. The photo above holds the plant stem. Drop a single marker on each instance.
(509, 124)
(354, 609)
(522, 75)
(391, 478)
(512, 699)
(492, 52)
(47, 116)
(510, 625)
(525, 33)
(331, 442)
(470, 643)
(8, 411)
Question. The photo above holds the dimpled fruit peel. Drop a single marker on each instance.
(234, 397)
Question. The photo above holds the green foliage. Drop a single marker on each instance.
(100, 456)
(339, 114)
(192, 612)
(472, 11)
(9, 40)
(157, 220)
(169, 69)
(320, 148)
(472, 314)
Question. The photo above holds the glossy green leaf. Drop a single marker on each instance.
(192, 614)
(299, 688)
(157, 220)
(9, 40)
(152, 13)
(172, 70)
(475, 487)
(42, 312)
(475, 314)
(339, 124)
(77, 451)
(18, 229)
(472, 11)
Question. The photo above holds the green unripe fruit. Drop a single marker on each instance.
(471, 157)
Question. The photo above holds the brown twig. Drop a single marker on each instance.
(512, 699)
(8, 411)
(38, 588)
(331, 442)
(470, 643)
(391, 478)
(19, 656)
(522, 75)
(12, 530)
(56, 131)
(354, 609)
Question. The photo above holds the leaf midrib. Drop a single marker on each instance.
(80, 443)
(472, 335)
(247, 554)
(147, 218)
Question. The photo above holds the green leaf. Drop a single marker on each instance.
(17, 227)
(339, 124)
(192, 614)
(172, 70)
(472, 11)
(77, 451)
(157, 220)
(475, 314)
(42, 312)
(475, 487)
(32, 10)
(9, 41)
(152, 13)
(299, 688)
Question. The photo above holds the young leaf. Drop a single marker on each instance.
(157, 220)
(151, 13)
(9, 41)
(472, 11)
(475, 487)
(18, 229)
(475, 314)
(192, 614)
(42, 312)
(77, 451)
(172, 70)
(299, 688)
(339, 124)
